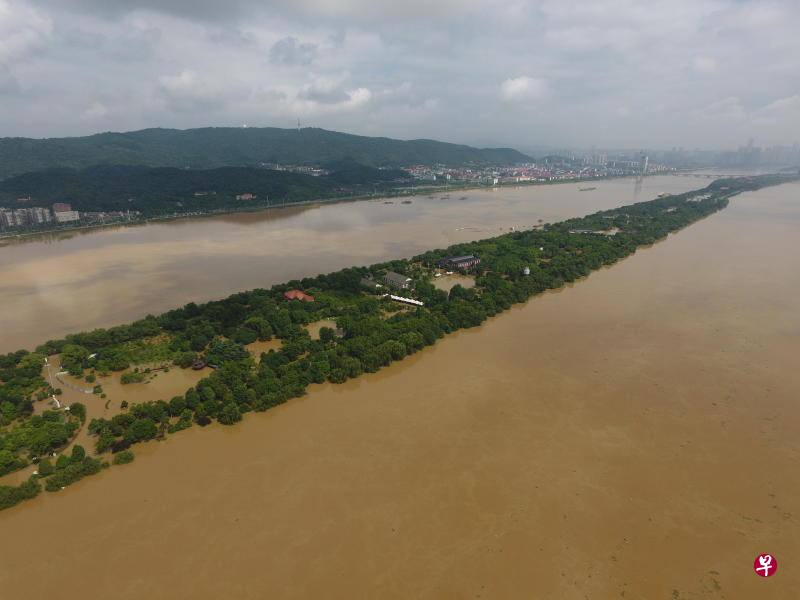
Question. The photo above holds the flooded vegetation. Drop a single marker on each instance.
(508, 269)
(568, 439)
(56, 284)
(446, 281)
(315, 327)
(613, 423)
(256, 349)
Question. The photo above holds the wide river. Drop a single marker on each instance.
(635, 435)
(58, 284)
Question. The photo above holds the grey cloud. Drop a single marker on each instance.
(133, 46)
(193, 9)
(270, 95)
(191, 92)
(9, 85)
(324, 94)
(24, 32)
(631, 73)
(290, 51)
(232, 36)
(347, 11)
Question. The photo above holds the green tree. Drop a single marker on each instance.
(123, 458)
(78, 410)
(73, 357)
(141, 430)
(78, 454)
(229, 414)
(45, 467)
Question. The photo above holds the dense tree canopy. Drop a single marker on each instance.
(168, 190)
(213, 147)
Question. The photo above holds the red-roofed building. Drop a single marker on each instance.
(298, 295)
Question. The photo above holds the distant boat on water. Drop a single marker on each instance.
(589, 189)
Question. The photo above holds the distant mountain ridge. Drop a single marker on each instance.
(214, 147)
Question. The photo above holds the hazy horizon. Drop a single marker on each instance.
(485, 144)
(707, 74)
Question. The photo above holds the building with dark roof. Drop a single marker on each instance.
(461, 263)
(396, 280)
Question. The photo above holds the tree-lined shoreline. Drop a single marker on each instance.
(372, 331)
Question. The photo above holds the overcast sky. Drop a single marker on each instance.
(611, 73)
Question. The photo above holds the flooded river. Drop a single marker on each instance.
(634, 435)
(58, 284)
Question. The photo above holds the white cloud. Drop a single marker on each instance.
(329, 94)
(727, 109)
(188, 91)
(779, 111)
(23, 31)
(96, 111)
(523, 88)
(782, 106)
(704, 64)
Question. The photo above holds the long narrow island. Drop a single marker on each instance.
(258, 349)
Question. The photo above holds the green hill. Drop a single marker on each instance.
(214, 147)
(160, 190)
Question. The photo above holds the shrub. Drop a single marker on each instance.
(77, 409)
(123, 458)
(74, 472)
(132, 377)
(46, 467)
(12, 495)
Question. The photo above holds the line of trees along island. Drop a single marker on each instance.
(371, 332)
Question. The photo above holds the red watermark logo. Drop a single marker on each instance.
(765, 565)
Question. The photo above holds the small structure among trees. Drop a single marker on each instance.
(398, 280)
(298, 295)
(460, 263)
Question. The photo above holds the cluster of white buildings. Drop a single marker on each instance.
(549, 169)
(36, 215)
(20, 217)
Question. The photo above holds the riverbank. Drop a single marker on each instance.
(55, 284)
(422, 190)
(557, 255)
(604, 439)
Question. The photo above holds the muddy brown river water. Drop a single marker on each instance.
(635, 435)
(57, 284)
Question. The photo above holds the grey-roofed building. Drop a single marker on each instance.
(460, 262)
(396, 280)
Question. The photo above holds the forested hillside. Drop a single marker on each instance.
(219, 146)
(161, 190)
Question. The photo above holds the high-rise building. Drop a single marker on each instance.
(7, 218)
(40, 215)
(66, 216)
